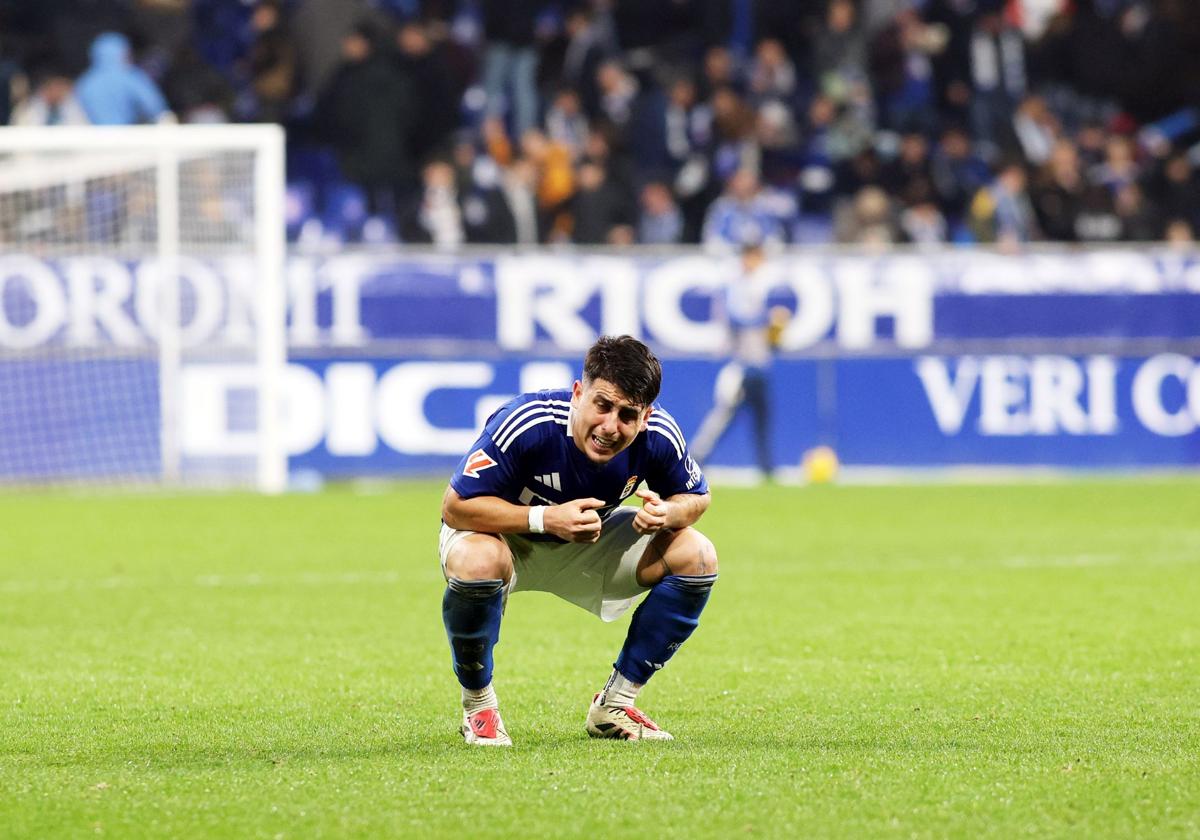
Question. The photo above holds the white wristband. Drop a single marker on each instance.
(537, 517)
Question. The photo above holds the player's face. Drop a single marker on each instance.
(603, 420)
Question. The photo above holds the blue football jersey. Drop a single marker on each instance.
(526, 456)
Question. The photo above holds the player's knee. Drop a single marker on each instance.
(480, 559)
(691, 553)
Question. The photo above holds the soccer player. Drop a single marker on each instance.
(754, 331)
(536, 505)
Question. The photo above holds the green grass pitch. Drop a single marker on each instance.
(920, 661)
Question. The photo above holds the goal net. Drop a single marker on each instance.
(142, 305)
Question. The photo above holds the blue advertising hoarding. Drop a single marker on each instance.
(1077, 359)
(421, 415)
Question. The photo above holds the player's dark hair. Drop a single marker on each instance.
(627, 363)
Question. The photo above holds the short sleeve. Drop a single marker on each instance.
(484, 471)
(674, 470)
(495, 464)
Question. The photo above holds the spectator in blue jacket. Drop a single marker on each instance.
(743, 210)
(114, 92)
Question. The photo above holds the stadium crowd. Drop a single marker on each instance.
(661, 121)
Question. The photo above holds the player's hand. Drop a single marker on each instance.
(653, 515)
(574, 521)
(778, 318)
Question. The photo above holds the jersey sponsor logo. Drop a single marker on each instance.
(550, 480)
(477, 462)
(693, 472)
(629, 485)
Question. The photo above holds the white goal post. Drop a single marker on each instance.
(140, 265)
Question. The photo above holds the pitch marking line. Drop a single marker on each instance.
(1022, 561)
(15, 587)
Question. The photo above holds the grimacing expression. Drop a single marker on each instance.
(603, 420)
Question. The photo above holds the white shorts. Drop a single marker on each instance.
(601, 577)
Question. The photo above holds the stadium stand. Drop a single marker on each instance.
(598, 121)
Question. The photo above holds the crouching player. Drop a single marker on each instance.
(536, 505)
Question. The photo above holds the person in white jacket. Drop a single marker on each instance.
(52, 102)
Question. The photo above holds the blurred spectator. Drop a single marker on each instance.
(1119, 168)
(467, 161)
(958, 173)
(598, 207)
(719, 71)
(660, 222)
(113, 91)
(511, 61)
(1035, 16)
(1097, 220)
(998, 78)
(319, 28)
(587, 44)
(909, 175)
(742, 212)
(951, 65)
(223, 31)
(1176, 189)
(1091, 140)
(846, 127)
(366, 114)
(902, 72)
(9, 70)
(684, 132)
(555, 180)
(426, 65)
(480, 194)
(1058, 193)
(820, 158)
(53, 102)
(160, 29)
(840, 51)
(1002, 212)
(734, 144)
(1036, 130)
(496, 141)
(777, 136)
(772, 74)
(1139, 221)
(618, 90)
(1180, 233)
(271, 65)
(520, 191)
(436, 217)
(867, 220)
(865, 169)
(922, 224)
(566, 122)
(196, 91)
(601, 147)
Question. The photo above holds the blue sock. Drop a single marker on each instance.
(471, 611)
(662, 623)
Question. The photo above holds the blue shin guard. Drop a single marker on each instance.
(471, 611)
(662, 623)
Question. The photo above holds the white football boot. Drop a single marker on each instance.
(485, 728)
(625, 722)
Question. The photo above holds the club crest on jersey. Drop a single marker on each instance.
(629, 485)
(477, 462)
